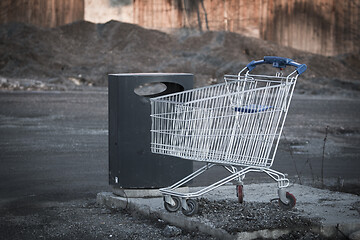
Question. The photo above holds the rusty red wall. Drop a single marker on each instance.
(45, 13)
(327, 27)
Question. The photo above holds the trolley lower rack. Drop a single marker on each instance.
(236, 125)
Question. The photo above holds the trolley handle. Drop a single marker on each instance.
(278, 62)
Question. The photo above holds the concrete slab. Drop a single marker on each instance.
(355, 235)
(335, 211)
(142, 193)
(154, 207)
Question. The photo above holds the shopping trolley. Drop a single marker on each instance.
(236, 124)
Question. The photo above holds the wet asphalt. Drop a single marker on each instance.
(54, 144)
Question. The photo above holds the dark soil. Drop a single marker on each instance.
(83, 53)
(250, 216)
(254, 216)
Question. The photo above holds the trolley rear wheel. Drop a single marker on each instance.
(290, 204)
(192, 208)
(175, 207)
(240, 193)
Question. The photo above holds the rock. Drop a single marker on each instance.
(171, 231)
(355, 235)
(3, 80)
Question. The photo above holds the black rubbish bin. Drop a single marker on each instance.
(131, 163)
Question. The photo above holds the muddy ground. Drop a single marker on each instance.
(54, 153)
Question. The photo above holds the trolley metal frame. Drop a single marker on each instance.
(236, 124)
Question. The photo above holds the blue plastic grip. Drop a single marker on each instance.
(278, 62)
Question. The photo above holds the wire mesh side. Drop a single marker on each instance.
(234, 123)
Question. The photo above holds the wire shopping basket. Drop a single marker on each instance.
(236, 124)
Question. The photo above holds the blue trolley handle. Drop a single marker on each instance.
(278, 62)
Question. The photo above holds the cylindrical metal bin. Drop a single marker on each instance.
(131, 163)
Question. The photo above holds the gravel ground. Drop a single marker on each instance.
(250, 216)
(84, 219)
(81, 219)
(54, 162)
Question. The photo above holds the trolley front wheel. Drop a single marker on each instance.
(240, 193)
(175, 207)
(291, 202)
(192, 208)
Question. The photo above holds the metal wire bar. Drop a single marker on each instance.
(237, 123)
(277, 176)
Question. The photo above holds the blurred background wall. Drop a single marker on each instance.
(327, 27)
(101, 11)
(44, 13)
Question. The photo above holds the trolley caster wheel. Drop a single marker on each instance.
(175, 207)
(193, 208)
(290, 204)
(240, 193)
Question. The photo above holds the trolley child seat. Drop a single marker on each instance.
(236, 124)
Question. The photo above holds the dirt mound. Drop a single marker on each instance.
(83, 53)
